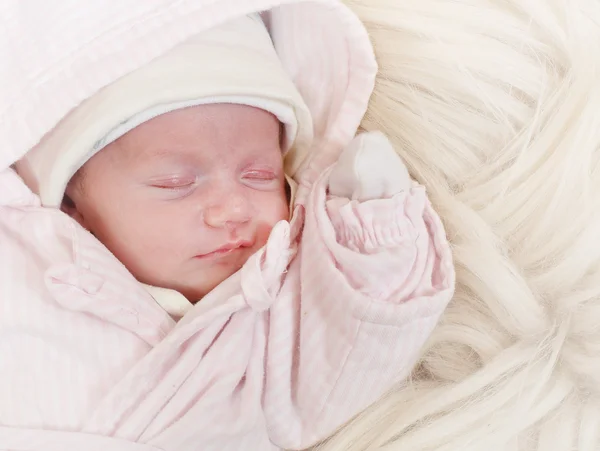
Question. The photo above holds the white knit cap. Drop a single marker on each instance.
(233, 63)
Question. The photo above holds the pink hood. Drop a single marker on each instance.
(66, 52)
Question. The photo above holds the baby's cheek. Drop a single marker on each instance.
(163, 232)
(263, 230)
(272, 211)
(147, 240)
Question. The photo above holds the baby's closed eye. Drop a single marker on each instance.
(174, 182)
(260, 175)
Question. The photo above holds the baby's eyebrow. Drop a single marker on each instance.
(161, 154)
(136, 154)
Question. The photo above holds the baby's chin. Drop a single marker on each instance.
(195, 295)
(195, 285)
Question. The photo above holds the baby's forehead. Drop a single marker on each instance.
(198, 133)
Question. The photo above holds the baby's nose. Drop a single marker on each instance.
(232, 211)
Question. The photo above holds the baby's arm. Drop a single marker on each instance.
(389, 243)
(375, 275)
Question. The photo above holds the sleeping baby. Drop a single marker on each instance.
(184, 199)
(269, 310)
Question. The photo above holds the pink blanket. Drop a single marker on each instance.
(306, 335)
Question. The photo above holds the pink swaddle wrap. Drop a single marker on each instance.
(315, 327)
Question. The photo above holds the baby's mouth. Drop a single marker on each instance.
(227, 249)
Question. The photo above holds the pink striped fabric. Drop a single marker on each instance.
(306, 335)
(316, 326)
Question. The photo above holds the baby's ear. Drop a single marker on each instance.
(73, 192)
(68, 206)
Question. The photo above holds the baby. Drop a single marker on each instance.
(316, 298)
(186, 198)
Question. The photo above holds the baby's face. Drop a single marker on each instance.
(184, 199)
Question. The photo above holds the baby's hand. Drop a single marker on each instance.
(369, 169)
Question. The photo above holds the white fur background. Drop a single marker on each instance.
(495, 106)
